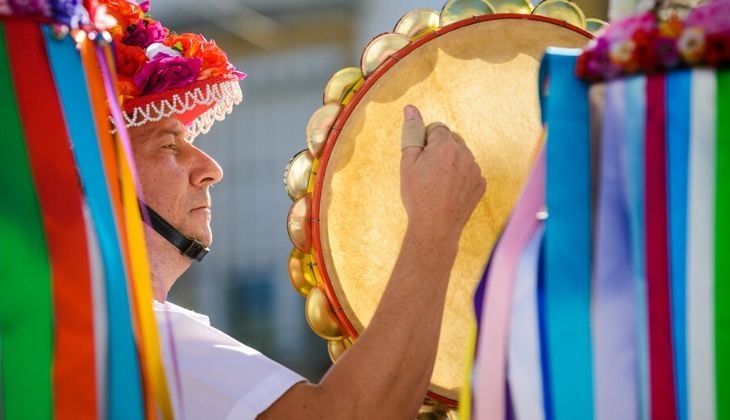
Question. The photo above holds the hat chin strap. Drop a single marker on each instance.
(190, 247)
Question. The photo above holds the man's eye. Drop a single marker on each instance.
(171, 146)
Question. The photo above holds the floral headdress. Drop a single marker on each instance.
(161, 73)
(646, 44)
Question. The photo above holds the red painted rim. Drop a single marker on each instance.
(342, 119)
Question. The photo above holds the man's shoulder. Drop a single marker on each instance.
(169, 307)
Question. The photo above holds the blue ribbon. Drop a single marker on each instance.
(567, 282)
(635, 97)
(678, 133)
(125, 393)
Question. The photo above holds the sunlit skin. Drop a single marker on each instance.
(176, 177)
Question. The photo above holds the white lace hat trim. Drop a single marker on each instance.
(224, 95)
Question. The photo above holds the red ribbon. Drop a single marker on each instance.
(661, 370)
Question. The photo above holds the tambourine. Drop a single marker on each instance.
(474, 67)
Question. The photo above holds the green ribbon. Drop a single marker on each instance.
(722, 250)
(26, 334)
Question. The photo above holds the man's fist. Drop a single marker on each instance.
(441, 183)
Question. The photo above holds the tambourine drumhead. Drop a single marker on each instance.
(479, 79)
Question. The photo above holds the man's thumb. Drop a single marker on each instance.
(414, 132)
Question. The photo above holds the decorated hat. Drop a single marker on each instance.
(161, 73)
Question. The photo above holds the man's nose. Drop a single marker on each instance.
(206, 171)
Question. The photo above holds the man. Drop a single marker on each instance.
(403, 335)
(386, 372)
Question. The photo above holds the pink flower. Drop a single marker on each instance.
(713, 17)
(166, 72)
(624, 29)
(144, 33)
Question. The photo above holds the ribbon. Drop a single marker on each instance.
(661, 367)
(678, 134)
(494, 329)
(125, 393)
(25, 288)
(568, 241)
(524, 363)
(524, 372)
(614, 343)
(101, 324)
(480, 297)
(700, 247)
(722, 250)
(142, 283)
(60, 196)
(634, 97)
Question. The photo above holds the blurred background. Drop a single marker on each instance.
(289, 48)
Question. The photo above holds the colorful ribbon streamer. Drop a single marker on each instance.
(722, 250)
(678, 135)
(700, 246)
(661, 367)
(567, 275)
(613, 284)
(125, 391)
(25, 287)
(60, 196)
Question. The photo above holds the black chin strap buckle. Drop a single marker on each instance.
(196, 250)
(191, 248)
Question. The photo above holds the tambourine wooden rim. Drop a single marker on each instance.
(343, 117)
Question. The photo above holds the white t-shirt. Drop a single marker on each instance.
(219, 377)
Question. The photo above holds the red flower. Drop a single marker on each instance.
(215, 62)
(127, 88)
(189, 45)
(717, 49)
(129, 59)
(644, 56)
(126, 13)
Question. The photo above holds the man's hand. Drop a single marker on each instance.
(441, 183)
(386, 373)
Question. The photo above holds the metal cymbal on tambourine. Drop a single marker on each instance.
(473, 65)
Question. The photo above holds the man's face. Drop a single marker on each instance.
(176, 176)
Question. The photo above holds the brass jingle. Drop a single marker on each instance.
(297, 174)
(319, 126)
(594, 25)
(379, 49)
(299, 224)
(337, 348)
(340, 84)
(456, 10)
(564, 10)
(512, 6)
(432, 410)
(320, 316)
(301, 272)
(417, 23)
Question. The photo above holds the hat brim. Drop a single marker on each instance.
(197, 105)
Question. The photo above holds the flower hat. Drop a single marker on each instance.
(161, 73)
